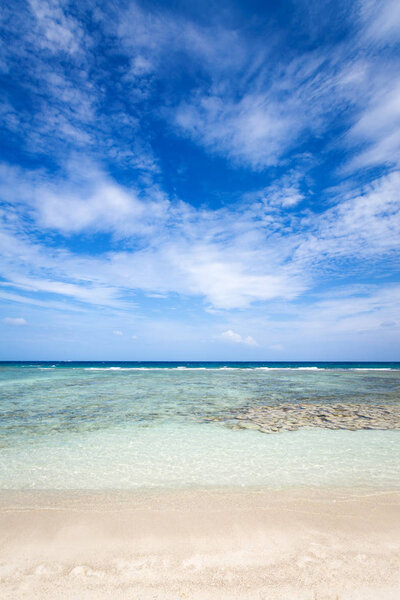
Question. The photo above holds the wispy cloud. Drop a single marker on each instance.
(380, 21)
(71, 108)
(57, 31)
(230, 165)
(378, 129)
(14, 321)
(365, 225)
(236, 338)
(254, 130)
(232, 257)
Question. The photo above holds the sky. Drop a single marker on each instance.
(200, 180)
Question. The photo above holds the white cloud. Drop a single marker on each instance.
(343, 323)
(236, 338)
(362, 225)
(232, 257)
(351, 311)
(14, 321)
(284, 192)
(380, 20)
(84, 293)
(378, 128)
(215, 254)
(58, 31)
(254, 103)
(92, 201)
(117, 332)
(74, 213)
(155, 38)
(249, 106)
(256, 130)
(246, 103)
(66, 112)
(227, 278)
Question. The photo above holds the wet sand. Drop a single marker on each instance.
(199, 544)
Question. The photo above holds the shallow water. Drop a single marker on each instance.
(96, 426)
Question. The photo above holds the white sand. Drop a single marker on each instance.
(200, 545)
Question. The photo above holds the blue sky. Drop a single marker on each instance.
(203, 180)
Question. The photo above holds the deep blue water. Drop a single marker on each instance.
(205, 364)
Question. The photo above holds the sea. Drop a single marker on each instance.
(173, 425)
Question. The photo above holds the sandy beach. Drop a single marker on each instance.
(163, 483)
(200, 544)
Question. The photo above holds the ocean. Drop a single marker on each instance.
(178, 425)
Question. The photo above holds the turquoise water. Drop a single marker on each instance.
(139, 425)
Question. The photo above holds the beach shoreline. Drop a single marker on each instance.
(324, 543)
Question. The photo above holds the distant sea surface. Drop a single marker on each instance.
(140, 425)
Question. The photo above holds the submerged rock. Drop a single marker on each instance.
(290, 417)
